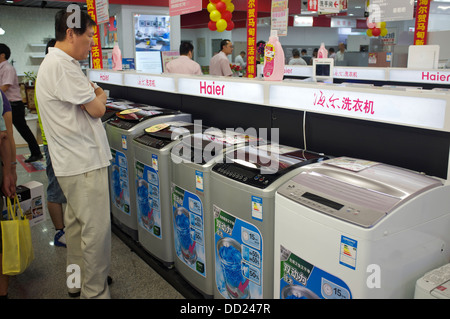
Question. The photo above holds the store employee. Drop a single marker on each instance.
(184, 63)
(219, 64)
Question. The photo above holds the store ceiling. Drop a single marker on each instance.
(200, 19)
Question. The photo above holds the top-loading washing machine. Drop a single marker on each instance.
(153, 176)
(121, 130)
(243, 190)
(192, 160)
(349, 228)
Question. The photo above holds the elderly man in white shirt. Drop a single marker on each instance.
(71, 108)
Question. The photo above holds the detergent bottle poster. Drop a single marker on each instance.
(238, 257)
(300, 279)
(120, 190)
(189, 229)
(148, 199)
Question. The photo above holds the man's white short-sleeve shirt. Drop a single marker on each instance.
(77, 142)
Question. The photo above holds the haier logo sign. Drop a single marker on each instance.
(229, 90)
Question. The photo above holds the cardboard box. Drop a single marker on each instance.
(32, 201)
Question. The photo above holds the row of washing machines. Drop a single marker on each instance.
(239, 217)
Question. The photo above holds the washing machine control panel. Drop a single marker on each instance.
(253, 178)
(124, 125)
(151, 141)
(347, 211)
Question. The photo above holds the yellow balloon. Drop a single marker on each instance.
(226, 1)
(369, 32)
(382, 25)
(211, 7)
(221, 25)
(215, 15)
(230, 7)
(384, 32)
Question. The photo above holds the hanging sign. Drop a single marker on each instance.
(252, 15)
(279, 16)
(179, 7)
(421, 27)
(96, 49)
(101, 9)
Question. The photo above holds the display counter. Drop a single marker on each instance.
(398, 125)
(426, 79)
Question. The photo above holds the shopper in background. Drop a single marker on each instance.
(184, 63)
(7, 116)
(296, 59)
(71, 108)
(8, 186)
(314, 55)
(55, 195)
(341, 52)
(219, 63)
(331, 53)
(10, 85)
(240, 60)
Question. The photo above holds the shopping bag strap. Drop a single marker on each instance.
(11, 209)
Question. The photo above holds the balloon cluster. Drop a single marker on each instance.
(220, 15)
(376, 29)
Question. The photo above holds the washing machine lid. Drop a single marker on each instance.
(270, 158)
(261, 165)
(203, 147)
(173, 130)
(138, 114)
(358, 191)
(160, 135)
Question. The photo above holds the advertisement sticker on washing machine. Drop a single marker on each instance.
(300, 279)
(148, 199)
(155, 162)
(257, 208)
(349, 249)
(124, 142)
(199, 181)
(120, 191)
(238, 254)
(189, 230)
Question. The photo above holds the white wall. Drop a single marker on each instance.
(25, 26)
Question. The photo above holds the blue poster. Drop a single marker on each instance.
(301, 280)
(120, 190)
(189, 231)
(238, 257)
(148, 199)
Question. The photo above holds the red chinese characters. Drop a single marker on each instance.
(252, 15)
(346, 103)
(421, 27)
(147, 82)
(96, 49)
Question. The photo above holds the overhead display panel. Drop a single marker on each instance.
(390, 10)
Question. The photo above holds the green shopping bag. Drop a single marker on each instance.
(16, 240)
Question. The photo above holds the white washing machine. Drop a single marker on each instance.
(121, 130)
(192, 161)
(348, 228)
(153, 176)
(243, 198)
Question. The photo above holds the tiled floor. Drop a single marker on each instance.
(134, 273)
